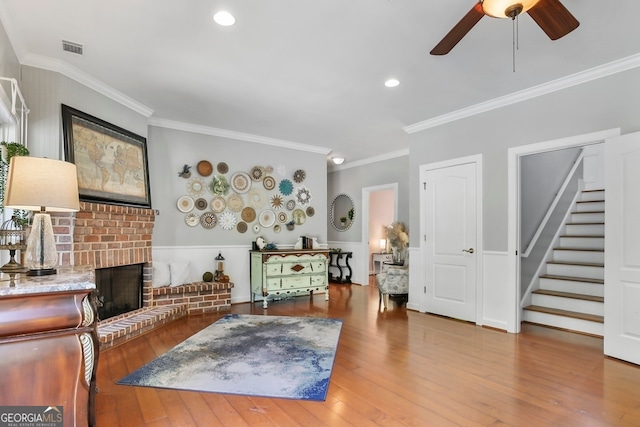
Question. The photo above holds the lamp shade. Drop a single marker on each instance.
(498, 8)
(35, 183)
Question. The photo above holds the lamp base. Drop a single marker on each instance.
(42, 272)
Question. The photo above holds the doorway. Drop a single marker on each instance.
(379, 208)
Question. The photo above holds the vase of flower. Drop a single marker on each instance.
(398, 238)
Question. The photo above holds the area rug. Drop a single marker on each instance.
(269, 356)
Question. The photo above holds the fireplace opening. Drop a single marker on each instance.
(119, 290)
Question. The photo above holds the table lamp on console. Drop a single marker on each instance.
(42, 185)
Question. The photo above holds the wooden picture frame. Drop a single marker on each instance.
(112, 162)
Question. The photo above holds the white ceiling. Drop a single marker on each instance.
(309, 71)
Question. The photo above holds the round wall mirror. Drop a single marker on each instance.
(342, 212)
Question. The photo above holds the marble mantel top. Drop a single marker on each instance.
(72, 278)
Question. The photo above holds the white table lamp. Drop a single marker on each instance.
(42, 185)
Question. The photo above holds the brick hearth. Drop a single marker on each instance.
(105, 236)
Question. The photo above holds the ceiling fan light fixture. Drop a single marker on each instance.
(506, 8)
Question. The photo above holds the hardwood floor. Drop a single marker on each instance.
(395, 368)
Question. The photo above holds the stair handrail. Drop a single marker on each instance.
(552, 207)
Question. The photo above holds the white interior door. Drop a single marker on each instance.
(450, 224)
(622, 248)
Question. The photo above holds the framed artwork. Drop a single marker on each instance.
(111, 161)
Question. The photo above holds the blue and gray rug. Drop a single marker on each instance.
(269, 356)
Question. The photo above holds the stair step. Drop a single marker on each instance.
(584, 242)
(578, 285)
(578, 255)
(570, 269)
(580, 217)
(585, 229)
(590, 206)
(569, 295)
(566, 313)
(590, 195)
(581, 303)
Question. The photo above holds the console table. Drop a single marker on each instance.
(336, 257)
(288, 272)
(380, 258)
(49, 343)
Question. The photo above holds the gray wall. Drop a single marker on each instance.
(606, 103)
(9, 66)
(352, 180)
(170, 149)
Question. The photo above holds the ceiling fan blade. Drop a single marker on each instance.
(553, 18)
(459, 31)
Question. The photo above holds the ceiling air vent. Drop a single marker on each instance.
(72, 47)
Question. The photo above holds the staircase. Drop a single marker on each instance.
(571, 293)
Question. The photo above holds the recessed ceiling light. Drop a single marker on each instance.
(224, 18)
(391, 83)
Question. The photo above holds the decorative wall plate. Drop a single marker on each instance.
(248, 214)
(276, 228)
(310, 211)
(185, 204)
(218, 204)
(267, 218)
(282, 217)
(227, 220)
(303, 196)
(285, 187)
(235, 202)
(240, 182)
(299, 216)
(291, 204)
(257, 173)
(195, 186)
(268, 169)
(269, 182)
(299, 176)
(256, 229)
(256, 198)
(208, 220)
(223, 167)
(276, 201)
(242, 227)
(201, 204)
(192, 219)
(204, 168)
(219, 185)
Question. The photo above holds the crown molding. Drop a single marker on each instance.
(369, 160)
(595, 73)
(223, 133)
(73, 73)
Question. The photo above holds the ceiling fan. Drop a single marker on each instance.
(554, 19)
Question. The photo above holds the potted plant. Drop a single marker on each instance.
(11, 149)
(343, 220)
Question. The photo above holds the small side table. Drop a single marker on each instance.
(334, 261)
(380, 258)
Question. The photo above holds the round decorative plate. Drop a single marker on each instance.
(185, 204)
(201, 204)
(299, 176)
(267, 218)
(223, 167)
(257, 173)
(303, 196)
(268, 169)
(219, 185)
(256, 229)
(310, 211)
(204, 168)
(282, 170)
(286, 187)
(283, 217)
(248, 214)
(291, 204)
(192, 219)
(195, 186)
(235, 202)
(276, 228)
(269, 183)
(240, 182)
(299, 216)
(208, 220)
(227, 220)
(242, 227)
(256, 198)
(218, 204)
(276, 201)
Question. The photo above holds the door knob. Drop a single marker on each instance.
(470, 250)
